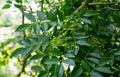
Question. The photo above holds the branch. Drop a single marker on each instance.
(81, 6)
(94, 3)
(23, 18)
(113, 9)
(23, 66)
(101, 3)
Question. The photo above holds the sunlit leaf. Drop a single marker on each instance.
(30, 17)
(86, 20)
(69, 62)
(6, 6)
(69, 55)
(83, 42)
(40, 15)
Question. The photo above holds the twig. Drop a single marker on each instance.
(81, 6)
(103, 3)
(42, 5)
(23, 18)
(95, 3)
(29, 6)
(113, 9)
(23, 66)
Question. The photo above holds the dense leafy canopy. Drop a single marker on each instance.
(69, 38)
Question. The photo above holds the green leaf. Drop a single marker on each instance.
(104, 61)
(91, 64)
(45, 26)
(34, 40)
(83, 42)
(37, 29)
(117, 53)
(43, 74)
(23, 27)
(47, 66)
(60, 14)
(69, 62)
(37, 56)
(76, 51)
(26, 51)
(96, 74)
(52, 16)
(17, 6)
(69, 55)
(52, 61)
(30, 17)
(60, 70)
(104, 33)
(44, 46)
(40, 15)
(96, 55)
(26, 42)
(6, 6)
(53, 23)
(86, 20)
(103, 69)
(55, 52)
(79, 25)
(9, 1)
(94, 60)
(44, 38)
(36, 68)
(18, 1)
(85, 66)
(17, 52)
(90, 13)
(116, 18)
(35, 47)
(81, 37)
(77, 71)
